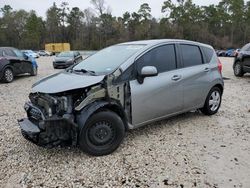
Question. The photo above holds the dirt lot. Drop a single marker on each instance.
(191, 150)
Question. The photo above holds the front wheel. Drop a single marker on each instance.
(213, 102)
(102, 134)
(238, 70)
(8, 75)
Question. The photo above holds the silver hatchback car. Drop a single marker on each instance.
(93, 103)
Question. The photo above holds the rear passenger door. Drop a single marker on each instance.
(161, 95)
(196, 76)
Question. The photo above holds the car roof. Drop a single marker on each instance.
(149, 44)
(7, 48)
(159, 41)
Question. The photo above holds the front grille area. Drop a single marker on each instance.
(60, 62)
(34, 114)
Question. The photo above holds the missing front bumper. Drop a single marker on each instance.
(56, 132)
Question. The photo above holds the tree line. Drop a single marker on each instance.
(224, 25)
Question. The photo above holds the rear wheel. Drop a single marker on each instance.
(238, 69)
(8, 75)
(102, 134)
(213, 102)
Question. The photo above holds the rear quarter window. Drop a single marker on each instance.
(191, 55)
(208, 54)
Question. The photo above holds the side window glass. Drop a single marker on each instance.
(208, 54)
(9, 52)
(1, 53)
(191, 55)
(163, 58)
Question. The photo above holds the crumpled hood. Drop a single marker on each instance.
(65, 81)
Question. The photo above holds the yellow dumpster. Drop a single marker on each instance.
(57, 47)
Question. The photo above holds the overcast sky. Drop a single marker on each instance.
(118, 6)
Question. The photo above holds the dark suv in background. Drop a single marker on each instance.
(242, 61)
(14, 62)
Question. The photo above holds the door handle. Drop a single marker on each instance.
(206, 69)
(176, 77)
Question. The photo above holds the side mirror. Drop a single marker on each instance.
(148, 71)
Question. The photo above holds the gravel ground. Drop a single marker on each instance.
(190, 150)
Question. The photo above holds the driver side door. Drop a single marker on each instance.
(160, 96)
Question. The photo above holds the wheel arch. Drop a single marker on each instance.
(5, 63)
(238, 61)
(7, 66)
(98, 106)
(220, 86)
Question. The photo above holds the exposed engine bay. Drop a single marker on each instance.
(52, 119)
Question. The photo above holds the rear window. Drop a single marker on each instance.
(208, 54)
(191, 55)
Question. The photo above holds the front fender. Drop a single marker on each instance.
(90, 109)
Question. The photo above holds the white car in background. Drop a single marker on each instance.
(31, 53)
(44, 53)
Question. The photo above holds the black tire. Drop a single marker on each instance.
(102, 134)
(34, 71)
(238, 69)
(211, 109)
(8, 75)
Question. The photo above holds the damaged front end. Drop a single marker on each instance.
(49, 121)
(52, 119)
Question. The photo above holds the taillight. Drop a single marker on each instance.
(219, 66)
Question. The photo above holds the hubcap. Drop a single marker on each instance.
(101, 133)
(214, 101)
(9, 75)
(237, 69)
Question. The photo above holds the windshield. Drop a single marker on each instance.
(66, 54)
(108, 59)
(246, 47)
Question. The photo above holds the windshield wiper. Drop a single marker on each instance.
(85, 71)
